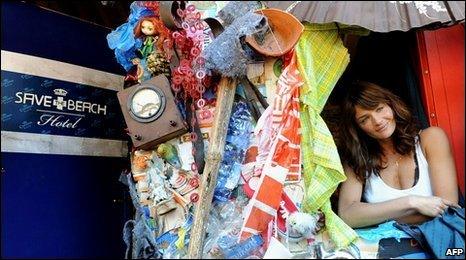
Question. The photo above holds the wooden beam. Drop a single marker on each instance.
(225, 96)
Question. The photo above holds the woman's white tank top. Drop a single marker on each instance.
(376, 190)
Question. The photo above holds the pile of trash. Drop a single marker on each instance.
(258, 202)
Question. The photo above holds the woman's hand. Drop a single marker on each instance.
(430, 206)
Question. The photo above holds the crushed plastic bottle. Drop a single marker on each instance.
(237, 141)
(245, 248)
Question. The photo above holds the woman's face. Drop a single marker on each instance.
(147, 27)
(378, 123)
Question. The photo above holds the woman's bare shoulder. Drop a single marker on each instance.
(432, 134)
(432, 137)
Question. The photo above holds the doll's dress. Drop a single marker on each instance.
(148, 46)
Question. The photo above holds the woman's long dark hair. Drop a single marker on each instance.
(358, 150)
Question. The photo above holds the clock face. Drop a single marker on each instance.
(146, 104)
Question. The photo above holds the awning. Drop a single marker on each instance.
(378, 16)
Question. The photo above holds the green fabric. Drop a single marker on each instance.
(148, 46)
(322, 59)
(353, 29)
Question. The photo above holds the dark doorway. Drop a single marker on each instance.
(386, 59)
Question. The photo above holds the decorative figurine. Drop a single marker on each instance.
(169, 153)
(306, 224)
(152, 31)
(152, 58)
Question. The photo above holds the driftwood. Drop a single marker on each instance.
(225, 96)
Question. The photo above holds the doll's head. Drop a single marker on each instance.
(152, 26)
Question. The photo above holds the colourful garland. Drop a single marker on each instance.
(189, 79)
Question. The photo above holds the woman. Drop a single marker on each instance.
(399, 172)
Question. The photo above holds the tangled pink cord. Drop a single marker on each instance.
(190, 75)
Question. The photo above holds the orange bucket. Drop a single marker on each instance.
(283, 33)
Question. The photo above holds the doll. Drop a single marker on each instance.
(155, 36)
(153, 55)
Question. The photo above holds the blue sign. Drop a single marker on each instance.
(41, 105)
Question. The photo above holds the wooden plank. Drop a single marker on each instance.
(225, 96)
(271, 78)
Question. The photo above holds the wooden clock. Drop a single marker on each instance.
(150, 113)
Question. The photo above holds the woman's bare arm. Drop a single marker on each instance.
(359, 214)
(442, 170)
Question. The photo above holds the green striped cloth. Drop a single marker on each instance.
(322, 59)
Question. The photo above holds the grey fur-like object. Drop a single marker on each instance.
(236, 9)
(225, 54)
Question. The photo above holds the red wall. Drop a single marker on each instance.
(441, 54)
